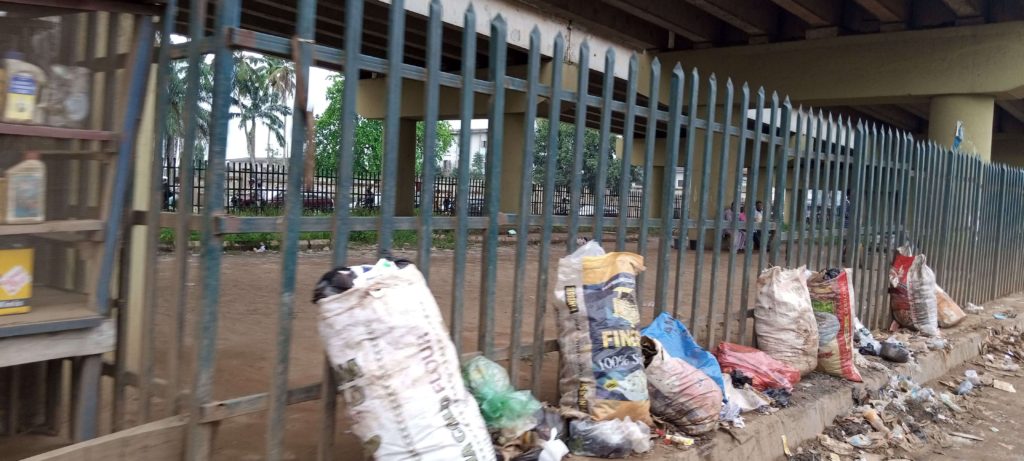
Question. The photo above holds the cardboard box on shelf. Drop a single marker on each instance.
(15, 280)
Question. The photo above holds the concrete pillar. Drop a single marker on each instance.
(513, 151)
(405, 182)
(975, 111)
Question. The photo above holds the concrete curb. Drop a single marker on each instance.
(828, 397)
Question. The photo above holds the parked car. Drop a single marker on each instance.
(609, 211)
(311, 201)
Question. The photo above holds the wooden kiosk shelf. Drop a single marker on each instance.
(52, 310)
(49, 227)
(40, 131)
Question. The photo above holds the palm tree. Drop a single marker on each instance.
(177, 83)
(281, 76)
(256, 101)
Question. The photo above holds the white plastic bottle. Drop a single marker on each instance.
(21, 93)
(26, 191)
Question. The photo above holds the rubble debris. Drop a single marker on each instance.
(973, 308)
(1004, 386)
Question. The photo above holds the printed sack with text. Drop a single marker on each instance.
(602, 364)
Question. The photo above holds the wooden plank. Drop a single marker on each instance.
(73, 343)
(162, 440)
(69, 225)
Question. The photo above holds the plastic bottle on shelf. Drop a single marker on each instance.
(21, 89)
(26, 191)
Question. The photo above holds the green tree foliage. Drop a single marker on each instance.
(476, 168)
(565, 159)
(369, 138)
(259, 97)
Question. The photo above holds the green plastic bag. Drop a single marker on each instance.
(502, 406)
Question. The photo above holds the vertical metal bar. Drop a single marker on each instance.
(495, 147)
(882, 209)
(200, 436)
(723, 167)
(773, 140)
(778, 201)
(906, 170)
(581, 126)
(625, 167)
(342, 199)
(433, 89)
(648, 197)
(892, 191)
(734, 223)
(186, 178)
(392, 125)
(702, 213)
(604, 146)
(532, 88)
(820, 148)
(959, 199)
(153, 214)
(947, 197)
(998, 256)
(809, 151)
(551, 164)
(303, 53)
(462, 194)
(749, 228)
(834, 164)
(866, 197)
(802, 132)
(843, 189)
(668, 186)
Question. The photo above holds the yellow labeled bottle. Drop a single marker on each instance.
(21, 94)
(26, 191)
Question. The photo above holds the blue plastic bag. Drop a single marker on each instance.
(677, 342)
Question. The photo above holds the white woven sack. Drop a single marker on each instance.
(399, 372)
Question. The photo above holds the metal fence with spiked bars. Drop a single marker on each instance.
(836, 192)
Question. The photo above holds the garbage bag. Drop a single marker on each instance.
(912, 293)
(784, 320)
(502, 406)
(398, 370)
(832, 298)
(949, 312)
(602, 365)
(616, 438)
(680, 393)
(676, 340)
(764, 371)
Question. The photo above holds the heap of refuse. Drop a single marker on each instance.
(625, 389)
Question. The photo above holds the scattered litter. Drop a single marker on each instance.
(965, 387)
(967, 436)
(833, 457)
(859, 441)
(746, 399)
(764, 371)
(875, 421)
(779, 396)
(785, 447)
(503, 407)
(993, 429)
(615, 438)
(835, 446)
(972, 376)
(973, 308)
(1000, 316)
(936, 344)
(675, 439)
(894, 351)
(1003, 386)
(1007, 447)
(947, 400)
(868, 344)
